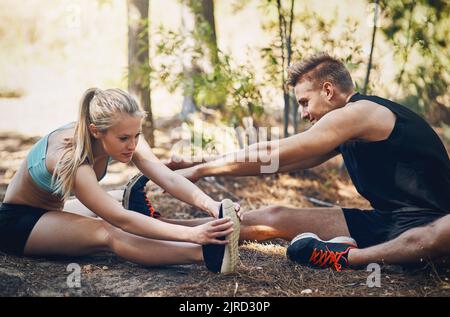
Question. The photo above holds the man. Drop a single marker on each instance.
(394, 158)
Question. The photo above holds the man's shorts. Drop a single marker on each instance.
(16, 224)
(372, 227)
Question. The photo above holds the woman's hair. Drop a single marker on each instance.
(101, 108)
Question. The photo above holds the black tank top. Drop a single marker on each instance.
(411, 168)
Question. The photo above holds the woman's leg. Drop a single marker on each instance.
(67, 234)
(76, 207)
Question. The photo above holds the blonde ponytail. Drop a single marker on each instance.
(97, 107)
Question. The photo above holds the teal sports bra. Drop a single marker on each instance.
(36, 163)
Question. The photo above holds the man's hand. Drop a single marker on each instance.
(176, 162)
(191, 173)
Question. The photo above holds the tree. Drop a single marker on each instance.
(139, 68)
(313, 33)
(372, 45)
(203, 34)
(420, 29)
(285, 21)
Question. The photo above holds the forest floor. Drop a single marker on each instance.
(263, 269)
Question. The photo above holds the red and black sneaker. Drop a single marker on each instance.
(310, 250)
(135, 198)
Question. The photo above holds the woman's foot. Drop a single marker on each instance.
(224, 258)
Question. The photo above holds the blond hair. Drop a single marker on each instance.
(98, 107)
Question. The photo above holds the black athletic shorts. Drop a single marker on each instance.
(16, 223)
(372, 227)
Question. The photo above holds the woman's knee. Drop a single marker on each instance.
(105, 236)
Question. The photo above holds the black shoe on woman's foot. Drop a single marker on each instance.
(224, 258)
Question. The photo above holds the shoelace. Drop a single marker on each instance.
(153, 212)
(322, 258)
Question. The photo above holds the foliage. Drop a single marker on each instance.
(419, 31)
(228, 87)
(313, 33)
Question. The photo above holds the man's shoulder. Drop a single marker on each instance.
(378, 120)
(362, 119)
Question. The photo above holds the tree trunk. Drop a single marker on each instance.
(207, 14)
(139, 60)
(203, 12)
(289, 59)
(372, 45)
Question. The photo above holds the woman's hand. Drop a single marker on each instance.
(214, 209)
(208, 233)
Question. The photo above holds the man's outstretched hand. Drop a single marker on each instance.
(176, 162)
(191, 173)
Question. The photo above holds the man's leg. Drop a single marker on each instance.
(413, 246)
(282, 222)
(286, 223)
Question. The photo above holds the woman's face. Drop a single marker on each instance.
(121, 139)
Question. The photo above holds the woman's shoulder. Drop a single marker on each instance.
(57, 143)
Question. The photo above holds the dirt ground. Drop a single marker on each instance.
(263, 269)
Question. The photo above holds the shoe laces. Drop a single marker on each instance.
(153, 212)
(326, 257)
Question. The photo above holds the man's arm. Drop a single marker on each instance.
(333, 129)
(310, 163)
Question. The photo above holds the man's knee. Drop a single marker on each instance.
(274, 213)
(433, 238)
(439, 233)
(274, 209)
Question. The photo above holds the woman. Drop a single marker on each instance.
(73, 159)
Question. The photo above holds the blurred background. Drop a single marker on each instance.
(210, 73)
(221, 61)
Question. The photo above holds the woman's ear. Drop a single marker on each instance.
(93, 130)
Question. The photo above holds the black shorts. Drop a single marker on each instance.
(372, 227)
(16, 223)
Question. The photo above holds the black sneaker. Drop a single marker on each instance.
(224, 258)
(310, 250)
(134, 197)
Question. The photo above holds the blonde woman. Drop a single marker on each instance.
(72, 159)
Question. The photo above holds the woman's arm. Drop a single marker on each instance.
(89, 192)
(174, 184)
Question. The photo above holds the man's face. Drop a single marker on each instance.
(314, 102)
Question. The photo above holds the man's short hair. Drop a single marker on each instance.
(318, 69)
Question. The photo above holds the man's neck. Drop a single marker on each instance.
(347, 99)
